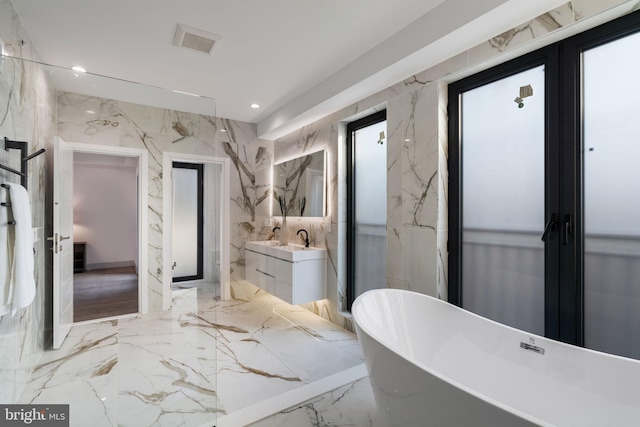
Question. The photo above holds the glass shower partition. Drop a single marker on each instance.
(159, 364)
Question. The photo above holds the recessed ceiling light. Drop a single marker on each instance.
(255, 105)
(223, 130)
(78, 69)
(89, 111)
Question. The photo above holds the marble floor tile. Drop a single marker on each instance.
(92, 401)
(166, 391)
(350, 405)
(89, 351)
(82, 373)
(202, 359)
(249, 373)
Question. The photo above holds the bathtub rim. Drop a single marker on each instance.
(485, 319)
(528, 417)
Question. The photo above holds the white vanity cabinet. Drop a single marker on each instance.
(293, 273)
(265, 273)
(250, 272)
(301, 282)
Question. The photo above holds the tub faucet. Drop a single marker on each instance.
(306, 237)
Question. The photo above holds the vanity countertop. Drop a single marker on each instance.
(290, 252)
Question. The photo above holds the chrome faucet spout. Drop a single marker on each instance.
(306, 237)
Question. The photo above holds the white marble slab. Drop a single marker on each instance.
(203, 359)
(351, 404)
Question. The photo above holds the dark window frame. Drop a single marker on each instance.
(352, 127)
(199, 168)
(564, 288)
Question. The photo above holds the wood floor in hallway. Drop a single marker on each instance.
(104, 293)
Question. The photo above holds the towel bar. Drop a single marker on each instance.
(22, 146)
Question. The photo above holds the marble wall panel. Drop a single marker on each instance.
(394, 258)
(419, 158)
(443, 193)
(27, 106)
(395, 142)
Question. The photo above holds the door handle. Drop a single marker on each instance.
(64, 237)
(54, 239)
(566, 229)
(552, 225)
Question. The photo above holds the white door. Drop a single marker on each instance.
(62, 241)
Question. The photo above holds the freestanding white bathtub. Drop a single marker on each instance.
(431, 363)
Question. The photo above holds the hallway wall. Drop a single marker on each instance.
(105, 209)
(27, 106)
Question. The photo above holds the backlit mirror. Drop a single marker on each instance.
(300, 185)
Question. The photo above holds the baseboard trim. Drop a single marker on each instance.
(117, 264)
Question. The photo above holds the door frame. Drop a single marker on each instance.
(547, 57)
(143, 191)
(167, 220)
(62, 261)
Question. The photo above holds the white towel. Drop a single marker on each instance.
(5, 255)
(22, 280)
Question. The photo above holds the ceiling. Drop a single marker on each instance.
(298, 59)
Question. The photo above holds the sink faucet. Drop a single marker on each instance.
(274, 231)
(306, 237)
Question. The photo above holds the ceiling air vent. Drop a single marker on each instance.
(195, 39)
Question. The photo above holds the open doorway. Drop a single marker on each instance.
(105, 235)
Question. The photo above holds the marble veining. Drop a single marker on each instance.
(349, 405)
(202, 359)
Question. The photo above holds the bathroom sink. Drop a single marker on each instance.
(266, 243)
(292, 247)
(290, 252)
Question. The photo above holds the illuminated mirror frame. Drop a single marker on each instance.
(275, 211)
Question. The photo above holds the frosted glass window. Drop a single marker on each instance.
(185, 222)
(503, 176)
(370, 208)
(611, 152)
